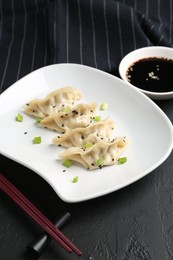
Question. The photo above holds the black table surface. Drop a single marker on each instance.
(134, 223)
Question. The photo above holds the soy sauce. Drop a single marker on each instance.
(152, 74)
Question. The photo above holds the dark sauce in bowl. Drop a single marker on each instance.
(152, 74)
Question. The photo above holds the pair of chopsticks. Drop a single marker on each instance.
(37, 215)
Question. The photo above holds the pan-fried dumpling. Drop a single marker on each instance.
(81, 137)
(100, 154)
(56, 101)
(80, 116)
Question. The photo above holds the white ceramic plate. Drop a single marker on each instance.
(146, 52)
(136, 116)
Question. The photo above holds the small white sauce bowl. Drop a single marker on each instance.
(146, 52)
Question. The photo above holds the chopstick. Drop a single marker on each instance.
(39, 243)
(37, 215)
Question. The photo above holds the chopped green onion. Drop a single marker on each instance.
(67, 163)
(37, 140)
(38, 120)
(89, 144)
(122, 160)
(104, 106)
(75, 179)
(66, 109)
(100, 162)
(19, 117)
(97, 118)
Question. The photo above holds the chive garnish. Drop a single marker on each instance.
(66, 109)
(37, 140)
(67, 163)
(19, 117)
(75, 179)
(104, 106)
(89, 144)
(100, 162)
(97, 118)
(122, 160)
(38, 120)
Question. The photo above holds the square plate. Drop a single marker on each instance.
(136, 117)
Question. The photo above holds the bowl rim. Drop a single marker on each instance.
(145, 52)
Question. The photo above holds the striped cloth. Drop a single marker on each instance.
(98, 33)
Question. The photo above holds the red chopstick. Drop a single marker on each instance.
(37, 215)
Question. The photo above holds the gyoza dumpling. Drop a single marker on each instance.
(54, 102)
(80, 116)
(100, 154)
(83, 137)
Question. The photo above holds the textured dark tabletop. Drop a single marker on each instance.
(134, 223)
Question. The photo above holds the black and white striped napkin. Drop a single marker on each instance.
(98, 33)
